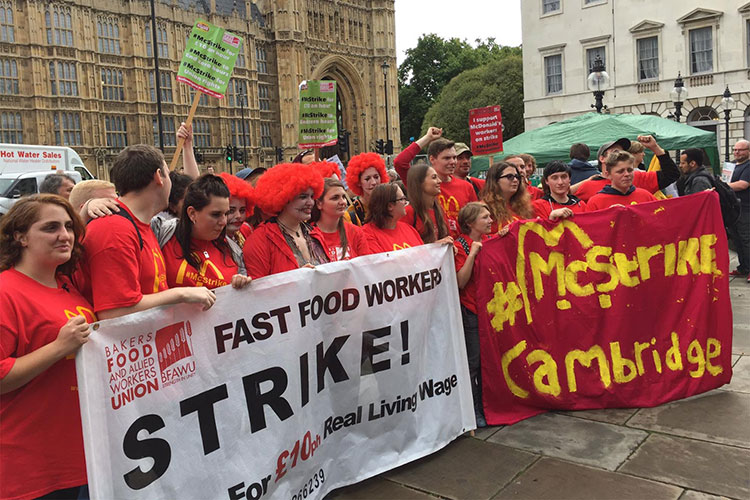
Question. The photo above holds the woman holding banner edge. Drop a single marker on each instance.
(44, 322)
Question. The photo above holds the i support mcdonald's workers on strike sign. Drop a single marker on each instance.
(209, 59)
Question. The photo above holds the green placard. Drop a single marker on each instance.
(209, 58)
(317, 114)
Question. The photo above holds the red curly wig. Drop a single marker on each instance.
(282, 182)
(240, 189)
(359, 164)
(326, 169)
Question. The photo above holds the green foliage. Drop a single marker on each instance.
(430, 65)
(499, 82)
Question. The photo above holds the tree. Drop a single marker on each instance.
(429, 66)
(499, 82)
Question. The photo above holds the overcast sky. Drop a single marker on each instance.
(464, 19)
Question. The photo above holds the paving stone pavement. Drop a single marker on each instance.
(693, 449)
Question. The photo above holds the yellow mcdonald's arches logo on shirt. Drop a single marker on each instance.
(160, 278)
(396, 246)
(201, 274)
(450, 206)
(81, 311)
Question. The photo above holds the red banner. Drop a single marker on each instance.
(486, 129)
(625, 307)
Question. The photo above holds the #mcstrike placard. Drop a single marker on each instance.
(317, 114)
(209, 59)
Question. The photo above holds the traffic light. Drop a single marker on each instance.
(239, 155)
(198, 155)
(228, 153)
(389, 147)
(279, 154)
(343, 142)
(380, 146)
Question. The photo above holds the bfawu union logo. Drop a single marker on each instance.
(174, 349)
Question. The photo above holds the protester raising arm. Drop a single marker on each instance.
(405, 157)
(190, 166)
(668, 174)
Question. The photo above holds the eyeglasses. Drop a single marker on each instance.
(510, 177)
(740, 149)
(404, 199)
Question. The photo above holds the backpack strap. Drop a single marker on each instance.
(124, 213)
(464, 244)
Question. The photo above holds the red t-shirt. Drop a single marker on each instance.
(119, 271)
(605, 200)
(415, 222)
(41, 443)
(644, 180)
(246, 230)
(454, 195)
(467, 294)
(356, 243)
(387, 240)
(216, 268)
(544, 206)
(535, 192)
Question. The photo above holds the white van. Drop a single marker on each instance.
(14, 185)
(21, 158)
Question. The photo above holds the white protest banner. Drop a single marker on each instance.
(726, 171)
(304, 382)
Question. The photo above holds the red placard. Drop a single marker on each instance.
(486, 129)
(618, 308)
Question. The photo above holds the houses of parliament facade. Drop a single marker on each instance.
(80, 73)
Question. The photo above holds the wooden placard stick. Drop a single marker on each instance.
(188, 122)
(316, 152)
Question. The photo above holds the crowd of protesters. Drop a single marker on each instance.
(155, 237)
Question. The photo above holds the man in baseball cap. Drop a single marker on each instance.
(463, 165)
(622, 144)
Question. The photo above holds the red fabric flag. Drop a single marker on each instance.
(624, 307)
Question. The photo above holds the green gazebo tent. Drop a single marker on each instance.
(593, 129)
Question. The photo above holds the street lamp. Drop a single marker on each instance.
(598, 81)
(241, 97)
(385, 67)
(678, 95)
(729, 104)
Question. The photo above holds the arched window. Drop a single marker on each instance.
(702, 114)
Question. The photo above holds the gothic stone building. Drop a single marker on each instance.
(80, 73)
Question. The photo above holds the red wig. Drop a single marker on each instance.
(327, 169)
(281, 183)
(240, 189)
(359, 164)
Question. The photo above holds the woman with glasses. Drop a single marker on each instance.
(424, 212)
(557, 202)
(383, 229)
(364, 172)
(506, 196)
(285, 241)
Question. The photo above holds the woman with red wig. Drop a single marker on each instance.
(240, 205)
(285, 241)
(327, 169)
(343, 239)
(365, 171)
(384, 230)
